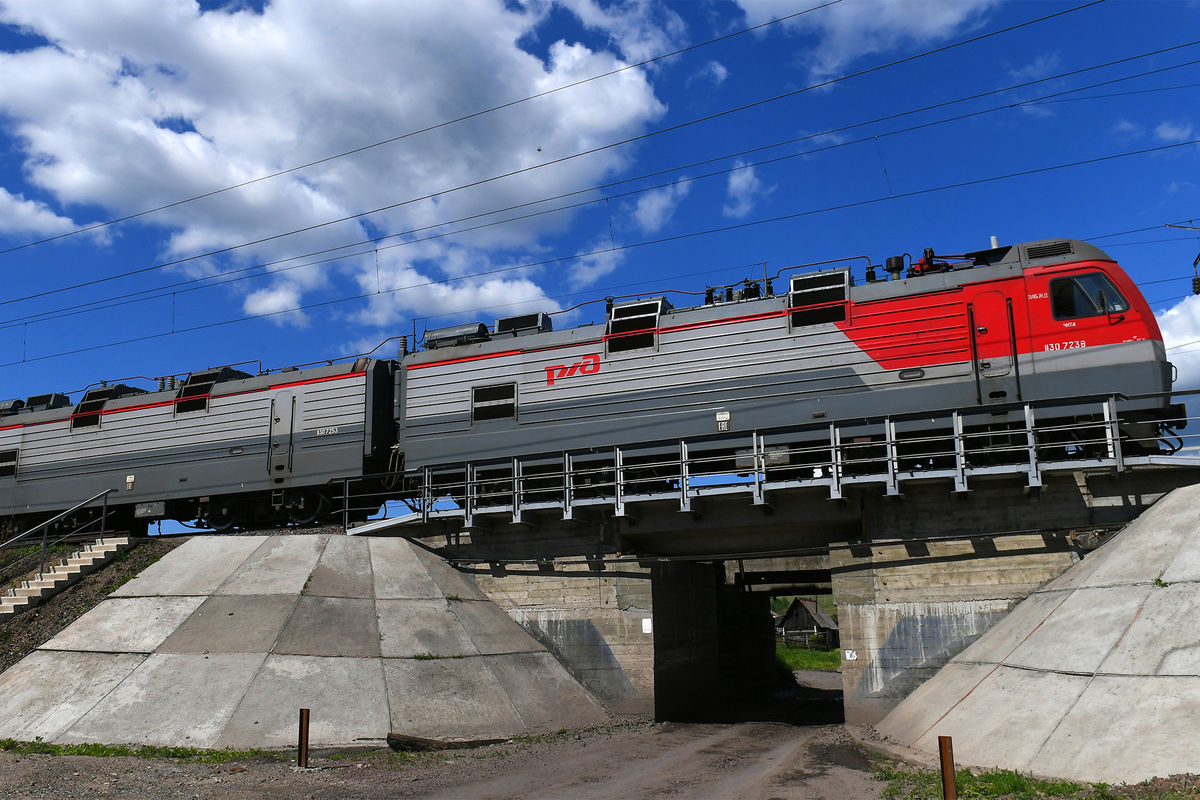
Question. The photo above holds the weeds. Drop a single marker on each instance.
(433, 657)
(908, 784)
(189, 754)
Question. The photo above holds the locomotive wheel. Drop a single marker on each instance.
(220, 516)
(304, 507)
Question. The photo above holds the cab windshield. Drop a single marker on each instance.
(1088, 295)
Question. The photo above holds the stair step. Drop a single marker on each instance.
(15, 605)
(31, 591)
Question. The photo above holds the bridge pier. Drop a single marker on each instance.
(713, 642)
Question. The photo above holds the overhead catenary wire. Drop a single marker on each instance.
(214, 280)
(564, 159)
(419, 131)
(661, 240)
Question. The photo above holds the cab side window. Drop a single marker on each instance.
(1088, 295)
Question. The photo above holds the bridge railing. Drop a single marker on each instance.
(1110, 432)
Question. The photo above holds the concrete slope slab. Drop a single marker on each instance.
(126, 625)
(211, 560)
(227, 624)
(184, 700)
(342, 695)
(449, 698)
(1082, 630)
(488, 628)
(344, 570)
(410, 628)
(223, 640)
(450, 582)
(331, 626)
(1126, 725)
(38, 708)
(1095, 677)
(280, 565)
(1164, 639)
(535, 683)
(399, 574)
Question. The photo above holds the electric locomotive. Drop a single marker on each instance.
(996, 328)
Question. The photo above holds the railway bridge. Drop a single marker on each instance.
(649, 567)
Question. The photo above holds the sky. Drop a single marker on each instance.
(185, 185)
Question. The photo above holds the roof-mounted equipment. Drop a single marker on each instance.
(524, 324)
(456, 335)
(195, 391)
(44, 402)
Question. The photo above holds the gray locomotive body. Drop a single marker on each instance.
(224, 446)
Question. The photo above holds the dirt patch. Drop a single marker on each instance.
(634, 758)
(24, 633)
(1180, 787)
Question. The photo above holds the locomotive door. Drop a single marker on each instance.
(993, 340)
(283, 413)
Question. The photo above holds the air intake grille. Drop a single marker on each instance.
(1049, 250)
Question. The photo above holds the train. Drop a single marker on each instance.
(1010, 324)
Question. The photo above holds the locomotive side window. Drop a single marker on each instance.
(8, 463)
(633, 327)
(816, 298)
(494, 402)
(1088, 295)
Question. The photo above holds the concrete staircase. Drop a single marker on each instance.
(69, 570)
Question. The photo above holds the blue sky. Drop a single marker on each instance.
(110, 108)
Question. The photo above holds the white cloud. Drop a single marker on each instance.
(1180, 186)
(591, 268)
(848, 31)
(1039, 67)
(1180, 327)
(140, 102)
(277, 300)
(409, 291)
(713, 71)
(655, 208)
(1174, 131)
(641, 29)
(18, 215)
(1126, 129)
(744, 191)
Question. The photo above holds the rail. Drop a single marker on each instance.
(961, 445)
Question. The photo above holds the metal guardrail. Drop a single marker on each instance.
(959, 445)
(45, 526)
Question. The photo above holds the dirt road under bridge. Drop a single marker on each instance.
(754, 760)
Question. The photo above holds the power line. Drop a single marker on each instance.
(419, 131)
(211, 281)
(564, 159)
(662, 240)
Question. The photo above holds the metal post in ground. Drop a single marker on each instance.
(45, 535)
(302, 747)
(946, 754)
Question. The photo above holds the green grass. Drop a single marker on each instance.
(799, 658)
(907, 784)
(192, 754)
